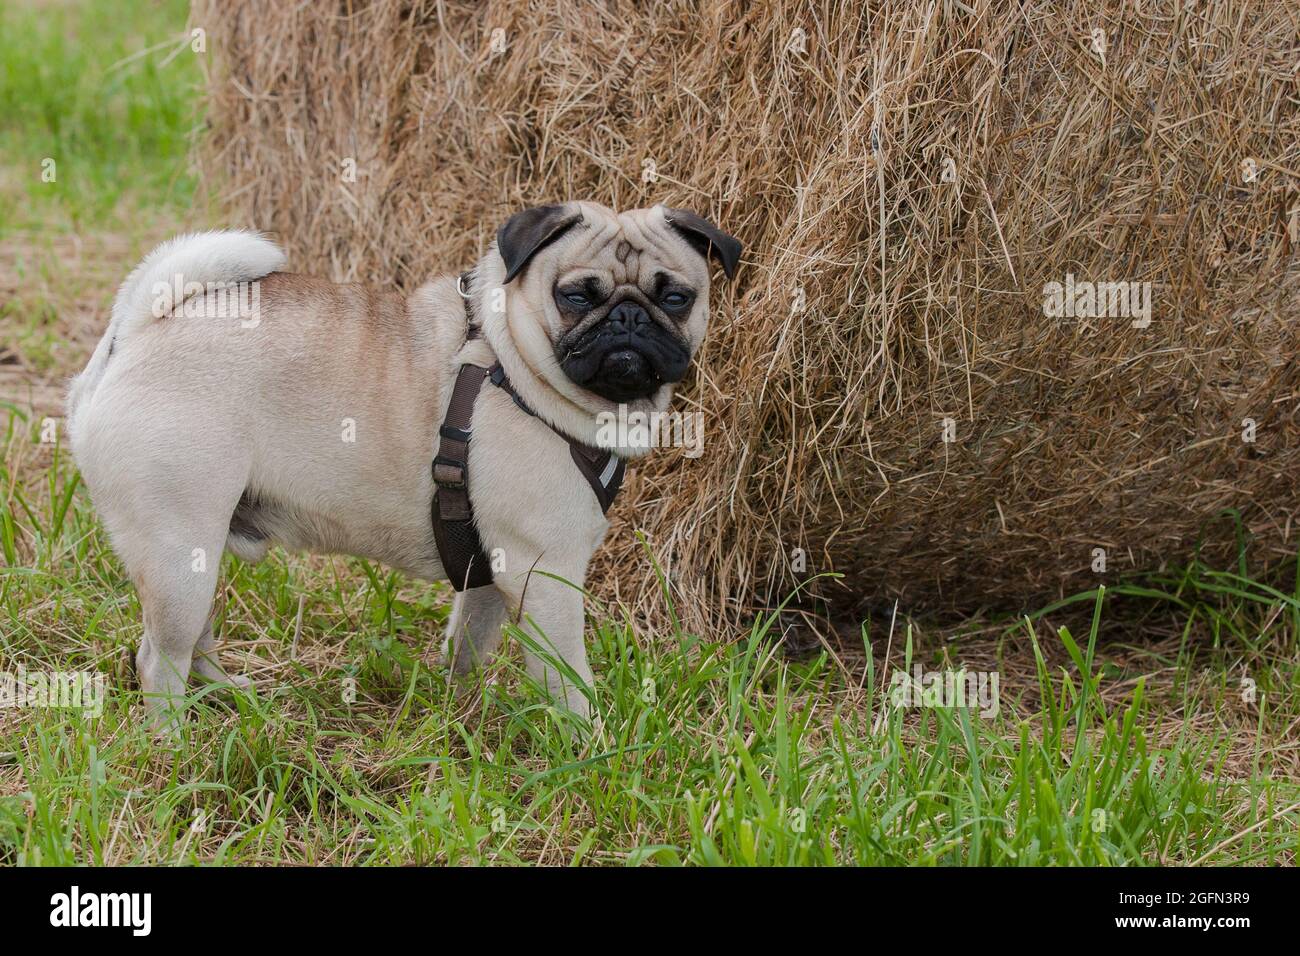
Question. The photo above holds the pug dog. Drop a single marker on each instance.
(232, 405)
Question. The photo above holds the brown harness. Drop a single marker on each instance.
(459, 545)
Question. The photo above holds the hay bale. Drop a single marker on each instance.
(908, 179)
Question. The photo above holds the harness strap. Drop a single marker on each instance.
(459, 546)
(457, 539)
(602, 468)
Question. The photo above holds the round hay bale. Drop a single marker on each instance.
(907, 384)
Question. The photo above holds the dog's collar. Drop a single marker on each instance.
(497, 376)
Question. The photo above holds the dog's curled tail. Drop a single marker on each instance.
(165, 278)
(187, 264)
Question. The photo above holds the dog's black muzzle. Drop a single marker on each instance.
(625, 356)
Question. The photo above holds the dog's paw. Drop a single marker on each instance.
(165, 721)
(206, 669)
(459, 660)
(576, 703)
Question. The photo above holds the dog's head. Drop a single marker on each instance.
(621, 298)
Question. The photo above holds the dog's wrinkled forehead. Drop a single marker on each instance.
(631, 247)
(628, 244)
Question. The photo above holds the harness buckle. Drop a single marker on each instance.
(448, 473)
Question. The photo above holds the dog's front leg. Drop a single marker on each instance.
(474, 629)
(549, 612)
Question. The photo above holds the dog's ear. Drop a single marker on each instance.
(706, 238)
(526, 233)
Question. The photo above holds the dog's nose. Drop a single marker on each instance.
(627, 316)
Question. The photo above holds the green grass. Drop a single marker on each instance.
(76, 87)
(704, 751)
(108, 91)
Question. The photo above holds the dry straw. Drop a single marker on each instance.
(907, 179)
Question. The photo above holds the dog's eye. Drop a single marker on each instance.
(580, 299)
(675, 300)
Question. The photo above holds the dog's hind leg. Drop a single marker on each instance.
(474, 630)
(169, 527)
(175, 582)
(164, 452)
(247, 544)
